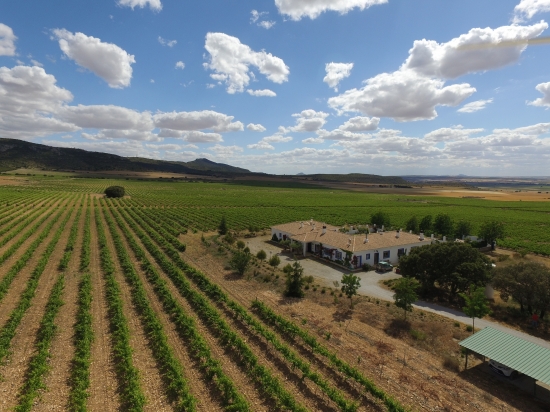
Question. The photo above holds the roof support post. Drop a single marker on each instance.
(535, 387)
(466, 366)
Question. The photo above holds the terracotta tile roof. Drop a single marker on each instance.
(306, 226)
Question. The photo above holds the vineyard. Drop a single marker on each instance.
(101, 309)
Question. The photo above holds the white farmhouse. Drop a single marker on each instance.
(327, 241)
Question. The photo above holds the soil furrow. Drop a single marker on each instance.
(245, 386)
(191, 368)
(103, 382)
(19, 283)
(62, 349)
(142, 356)
(279, 369)
(23, 343)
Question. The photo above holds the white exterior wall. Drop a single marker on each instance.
(393, 259)
(280, 234)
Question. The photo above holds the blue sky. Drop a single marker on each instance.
(285, 86)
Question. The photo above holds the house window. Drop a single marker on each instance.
(367, 257)
(386, 254)
(400, 252)
(338, 255)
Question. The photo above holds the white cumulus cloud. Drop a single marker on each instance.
(154, 5)
(28, 98)
(476, 106)
(450, 134)
(255, 127)
(336, 72)
(106, 117)
(106, 60)
(277, 138)
(180, 65)
(7, 41)
(313, 140)
(262, 93)
(544, 88)
(309, 121)
(261, 145)
(198, 120)
(231, 62)
(402, 95)
(360, 124)
(296, 9)
(475, 51)
(526, 9)
(266, 24)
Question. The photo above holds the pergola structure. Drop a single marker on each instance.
(512, 351)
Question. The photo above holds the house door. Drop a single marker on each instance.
(376, 258)
(359, 261)
(309, 247)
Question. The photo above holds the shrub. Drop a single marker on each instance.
(240, 244)
(274, 238)
(261, 255)
(418, 334)
(274, 261)
(115, 191)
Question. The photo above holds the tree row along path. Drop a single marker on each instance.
(314, 398)
(30, 309)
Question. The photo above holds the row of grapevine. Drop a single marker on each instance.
(186, 327)
(271, 386)
(132, 395)
(8, 330)
(83, 327)
(173, 370)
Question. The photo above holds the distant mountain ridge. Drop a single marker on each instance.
(15, 154)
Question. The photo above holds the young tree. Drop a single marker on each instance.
(295, 281)
(229, 238)
(274, 261)
(380, 219)
(463, 228)
(350, 284)
(261, 255)
(222, 228)
(491, 231)
(240, 244)
(405, 294)
(295, 247)
(476, 304)
(425, 224)
(412, 224)
(240, 262)
(443, 225)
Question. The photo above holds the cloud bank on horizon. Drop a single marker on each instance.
(169, 81)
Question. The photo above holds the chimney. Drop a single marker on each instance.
(313, 227)
(410, 231)
(324, 229)
(382, 228)
(398, 233)
(421, 236)
(444, 238)
(366, 238)
(301, 225)
(432, 236)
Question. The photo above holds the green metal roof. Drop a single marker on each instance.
(526, 357)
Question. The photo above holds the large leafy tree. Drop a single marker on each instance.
(446, 268)
(380, 219)
(350, 285)
(476, 304)
(528, 283)
(491, 231)
(405, 294)
(443, 225)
